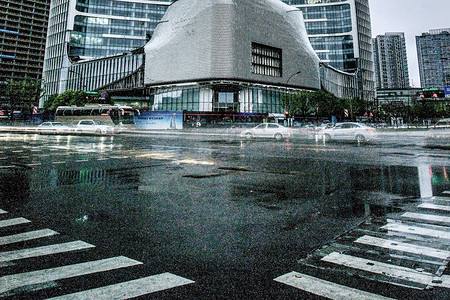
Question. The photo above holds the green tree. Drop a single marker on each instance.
(69, 98)
(21, 94)
(299, 104)
(318, 103)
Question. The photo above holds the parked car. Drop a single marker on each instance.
(267, 130)
(53, 128)
(349, 131)
(91, 126)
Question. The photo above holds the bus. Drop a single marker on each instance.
(113, 115)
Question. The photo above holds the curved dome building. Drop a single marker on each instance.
(229, 55)
(259, 41)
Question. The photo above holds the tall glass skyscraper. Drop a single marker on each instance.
(433, 52)
(90, 29)
(340, 33)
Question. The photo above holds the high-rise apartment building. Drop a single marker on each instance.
(90, 29)
(391, 64)
(23, 29)
(433, 52)
(340, 33)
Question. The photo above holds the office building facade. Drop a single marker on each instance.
(433, 52)
(23, 30)
(340, 33)
(391, 64)
(82, 30)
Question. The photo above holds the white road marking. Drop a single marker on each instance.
(11, 282)
(3, 211)
(427, 217)
(435, 206)
(82, 160)
(15, 221)
(33, 165)
(26, 236)
(44, 250)
(446, 192)
(404, 247)
(417, 230)
(130, 289)
(59, 162)
(324, 288)
(388, 270)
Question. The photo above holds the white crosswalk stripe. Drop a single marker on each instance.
(130, 289)
(427, 217)
(324, 288)
(15, 221)
(11, 282)
(44, 250)
(388, 270)
(404, 247)
(26, 236)
(394, 227)
(434, 206)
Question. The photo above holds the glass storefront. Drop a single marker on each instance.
(245, 99)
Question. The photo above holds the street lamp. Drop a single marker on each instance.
(287, 113)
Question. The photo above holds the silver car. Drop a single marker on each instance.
(53, 128)
(349, 131)
(267, 130)
(91, 126)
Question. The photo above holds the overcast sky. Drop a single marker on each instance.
(413, 17)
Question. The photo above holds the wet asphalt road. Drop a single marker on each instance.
(229, 214)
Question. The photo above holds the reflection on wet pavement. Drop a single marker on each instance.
(244, 204)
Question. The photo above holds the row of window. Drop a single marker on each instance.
(266, 60)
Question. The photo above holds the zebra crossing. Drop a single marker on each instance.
(47, 278)
(412, 249)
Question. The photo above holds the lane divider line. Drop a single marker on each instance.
(404, 247)
(389, 270)
(427, 217)
(325, 288)
(130, 289)
(26, 236)
(11, 282)
(12, 222)
(43, 250)
(439, 234)
(435, 206)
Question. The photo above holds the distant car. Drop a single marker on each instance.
(443, 123)
(53, 128)
(349, 131)
(91, 126)
(440, 132)
(267, 130)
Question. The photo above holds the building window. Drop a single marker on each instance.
(266, 60)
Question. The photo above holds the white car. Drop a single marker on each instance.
(349, 132)
(53, 128)
(267, 130)
(91, 126)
